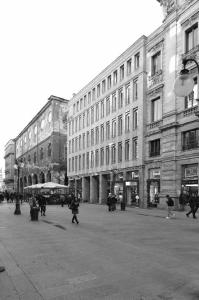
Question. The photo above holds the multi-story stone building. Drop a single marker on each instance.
(41, 146)
(127, 131)
(9, 165)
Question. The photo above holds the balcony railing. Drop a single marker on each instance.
(190, 111)
(155, 79)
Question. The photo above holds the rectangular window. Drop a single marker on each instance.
(135, 90)
(93, 94)
(98, 90)
(191, 37)
(109, 82)
(128, 94)
(115, 77)
(76, 143)
(80, 141)
(154, 148)
(92, 137)
(134, 148)
(103, 86)
(97, 135)
(114, 102)
(73, 146)
(137, 60)
(113, 154)
(89, 97)
(92, 114)
(129, 62)
(190, 100)
(73, 160)
(107, 155)
(83, 161)
(120, 125)
(114, 128)
(92, 159)
(88, 138)
(97, 158)
(76, 124)
(102, 109)
(127, 121)
(107, 106)
(107, 130)
(83, 120)
(127, 150)
(190, 139)
(120, 100)
(88, 117)
(83, 141)
(155, 63)
(120, 152)
(155, 110)
(81, 103)
(121, 72)
(85, 101)
(102, 133)
(73, 126)
(69, 164)
(73, 108)
(80, 162)
(87, 160)
(80, 122)
(77, 106)
(135, 118)
(75, 163)
(70, 128)
(102, 156)
(69, 147)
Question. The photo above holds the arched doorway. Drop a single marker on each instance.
(29, 180)
(48, 176)
(35, 179)
(41, 177)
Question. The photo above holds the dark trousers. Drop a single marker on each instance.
(43, 210)
(192, 210)
(74, 218)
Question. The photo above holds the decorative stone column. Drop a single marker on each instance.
(93, 190)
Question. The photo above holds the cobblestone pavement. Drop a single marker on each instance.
(123, 255)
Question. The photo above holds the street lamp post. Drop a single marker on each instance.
(184, 83)
(18, 165)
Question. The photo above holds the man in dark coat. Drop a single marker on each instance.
(193, 206)
(74, 207)
(109, 201)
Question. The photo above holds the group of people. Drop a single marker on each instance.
(192, 199)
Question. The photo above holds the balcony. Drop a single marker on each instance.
(193, 53)
(155, 79)
(190, 111)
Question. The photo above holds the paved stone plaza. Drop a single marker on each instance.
(134, 254)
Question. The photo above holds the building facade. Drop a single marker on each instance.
(41, 146)
(127, 131)
(9, 165)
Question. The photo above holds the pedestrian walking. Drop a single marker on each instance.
(193, 205)
(109, 201)
(182, 201)
(114, 201)
(42, 205)
(74, 206)
(170, 205)
(137, 198)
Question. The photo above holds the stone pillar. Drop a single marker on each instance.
(142, 188)
(124, 186)
(85, 189)
(102, 189)
(93, 190)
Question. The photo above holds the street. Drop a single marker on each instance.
(134, 254)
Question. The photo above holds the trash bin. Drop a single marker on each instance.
(34, 212)
(123, 205)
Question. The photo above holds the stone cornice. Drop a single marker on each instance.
(169, 126)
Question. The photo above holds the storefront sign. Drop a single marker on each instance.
(155, 174)
(191, 171)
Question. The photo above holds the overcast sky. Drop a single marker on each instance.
(55, 47)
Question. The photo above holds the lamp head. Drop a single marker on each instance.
(184, 84)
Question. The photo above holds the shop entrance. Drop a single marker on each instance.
(153, 190)
(132, 189)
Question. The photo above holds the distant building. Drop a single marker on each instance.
(41, 146)
(1, 180)
(127, 131)
(9, 165)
